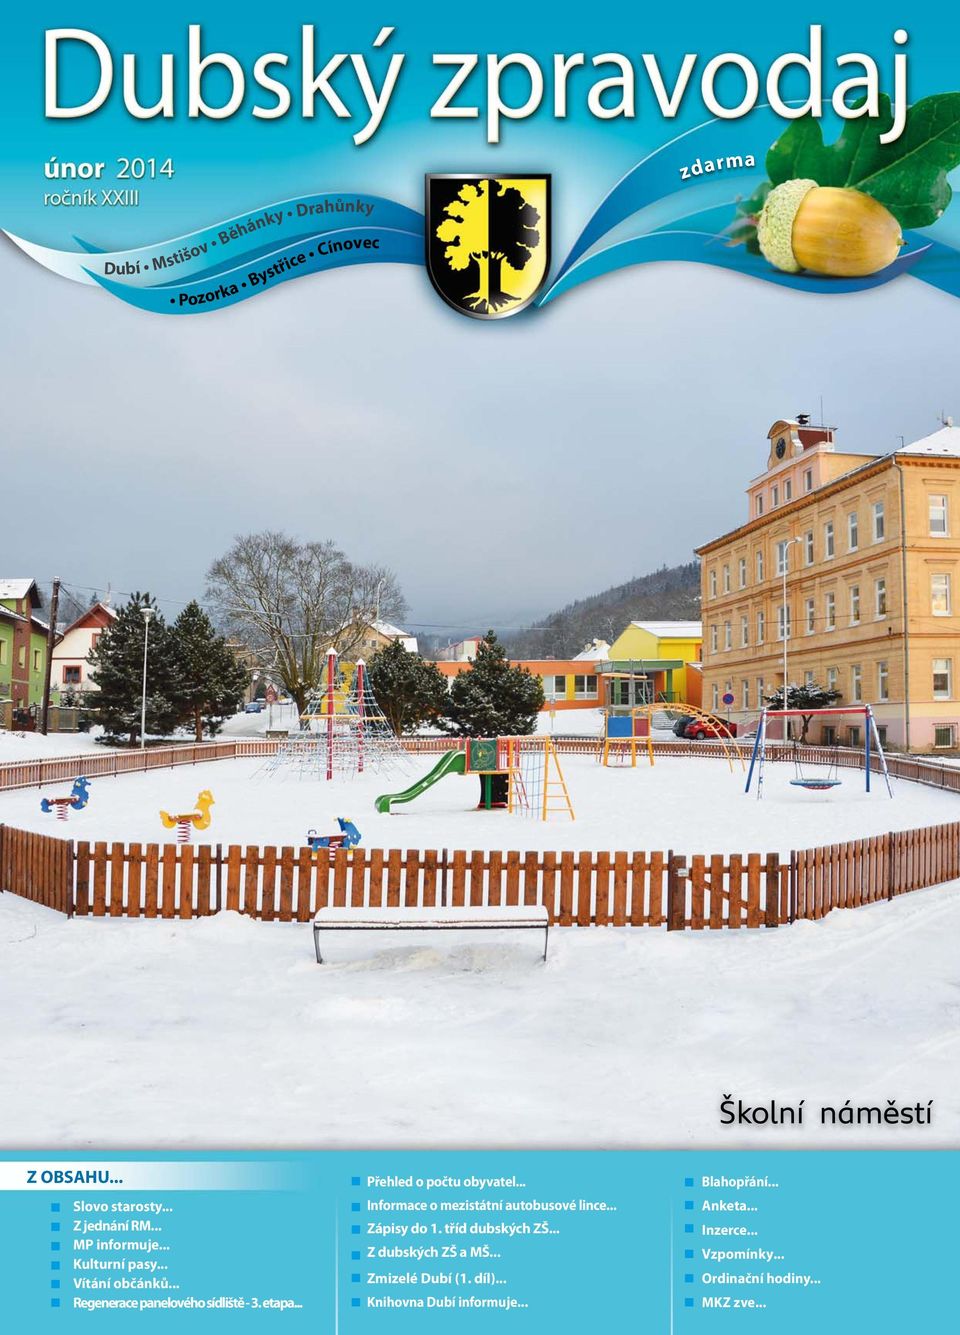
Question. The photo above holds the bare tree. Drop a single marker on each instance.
(291, 601)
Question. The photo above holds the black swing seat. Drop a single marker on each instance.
(816, 785)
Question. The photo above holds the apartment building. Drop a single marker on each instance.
(851, 562)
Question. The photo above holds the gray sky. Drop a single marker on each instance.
(501, 470)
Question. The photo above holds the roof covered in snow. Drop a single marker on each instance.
(391, 632)
(19, 588)
(946, 441)
(671, 630)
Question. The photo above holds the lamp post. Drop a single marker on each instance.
(785, 546)
(146, 613)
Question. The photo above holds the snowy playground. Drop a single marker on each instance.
(692, 804)
(223, 1031)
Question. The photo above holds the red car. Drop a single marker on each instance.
(699, 728)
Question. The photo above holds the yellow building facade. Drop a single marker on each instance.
(853, 559)
(664, 650)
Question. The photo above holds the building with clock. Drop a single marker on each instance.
(867, 547)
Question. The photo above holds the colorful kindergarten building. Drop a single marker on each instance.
(852, 559)
(23, 648)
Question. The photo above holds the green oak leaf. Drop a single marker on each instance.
(799, 152)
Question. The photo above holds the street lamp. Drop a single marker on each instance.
(146, 613)
(785, 546)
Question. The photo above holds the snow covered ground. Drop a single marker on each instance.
(34, 746)
(224, 1032)
(691, 805)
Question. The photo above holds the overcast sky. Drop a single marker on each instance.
(500, 470)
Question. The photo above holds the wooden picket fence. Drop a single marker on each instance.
(581, 889)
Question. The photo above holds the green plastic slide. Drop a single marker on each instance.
(454, 762)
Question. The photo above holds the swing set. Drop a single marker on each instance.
(819, 782)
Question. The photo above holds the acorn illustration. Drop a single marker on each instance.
(838, 232)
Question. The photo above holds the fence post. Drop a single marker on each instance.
(771, 908)
(794, 885)
(891, 849)
(443, 878)
(218, 876)
(70, 863)
(676, 892)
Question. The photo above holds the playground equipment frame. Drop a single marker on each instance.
(724, 736)
(871, 741)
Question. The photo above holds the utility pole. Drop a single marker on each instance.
(48, 666)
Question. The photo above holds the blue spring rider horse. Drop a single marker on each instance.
(76, 800)
(348, 837)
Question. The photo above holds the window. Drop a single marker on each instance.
(713, 584)
(940, 595)
(808, 479)
(853, 531)
(743, 572)
(853, 736)
(939, 527)
(828, 543)
(854, 604)
(783, 622)
(744, 632)
(880, 598)
(945, 735)
(715, 697)
(22, 657)
(3, 651)
(811, 616)
(761, 687)
(942, 678)
(828, 735)
(559, 685)
(830, 612)
(36, 660)
(759, 505)
(759, 565)
(808, 679)
(726, 579)
(774, 495)
(856, 681)
(879, 522)
(787, 489)
(95, 639)
(714, 638)
(781, 558)
(761, 627)
(883, 681)
(832, 677)
(71, 674)
(882, 733)
(727, 635)
(808, 546)
(744, 695)
(584, 686)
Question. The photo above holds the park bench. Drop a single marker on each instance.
(468, 918)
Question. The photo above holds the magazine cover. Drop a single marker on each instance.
(479, 668)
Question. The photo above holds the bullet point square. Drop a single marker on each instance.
(689, 1253)
(54, 1226)
(54, 1283)
(354, 1302)
(688, 1205)
(688, 1279)
(54, 1302)
(688, 1302)
(354, 1182)
(54, 1246)
(55, 1207)
(354, 1228)
(688, 1228)
(355, 1207)
(354, 1279)
(54, 1265)
(688, 1181)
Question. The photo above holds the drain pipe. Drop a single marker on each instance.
(903, 599)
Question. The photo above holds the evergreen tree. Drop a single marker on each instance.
(118, 672)
(493, 698)
(810, 696)
(408, 689)
(209, 682)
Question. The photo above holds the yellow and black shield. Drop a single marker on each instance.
(488, 241)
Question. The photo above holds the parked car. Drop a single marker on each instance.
(254, 707)
(681, 725)
(709, 726)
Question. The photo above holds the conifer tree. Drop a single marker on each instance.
(117, 663)
(493, 697)
(409, 690)
(209, 682)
